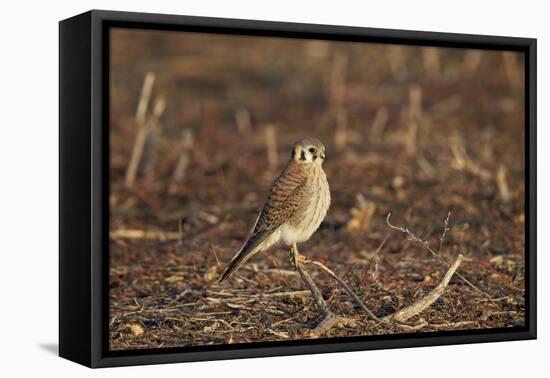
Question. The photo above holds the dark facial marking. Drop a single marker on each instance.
(303, 155)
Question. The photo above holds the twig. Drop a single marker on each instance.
(286, 294)
(325, 269)
(445, 229)
(429, 249)
(215, 255)
(420, 305)
(284, 321)
(375, 266)
(282, 335)
(452, 324)
(321, 304)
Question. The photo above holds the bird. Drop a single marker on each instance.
(297, 202)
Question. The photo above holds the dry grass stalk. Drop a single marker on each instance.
(446, 106)
(271, 145)
(472, 59)
(415, 116)
(151, 140)
(417, 307)
(462, 324)
(243, 121)
(512, 68)
(396, 60)
(144, 234)
(462, 162)
(375, 263)
(361, 215)
(287, 294)
(445, 229)
(139, 142)
(502, 184)
(379, 124)
(143, 104)
(341, 134)
(150, 151)
(411, 137)
(426, 166)
(318, 50)
(135, 158)
(180, 169)
(432, 65)
(338, 81)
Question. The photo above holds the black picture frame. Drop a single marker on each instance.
(84, 186)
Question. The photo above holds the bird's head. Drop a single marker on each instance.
(308, 151)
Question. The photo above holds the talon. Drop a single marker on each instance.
(302, 259)
(296, 258)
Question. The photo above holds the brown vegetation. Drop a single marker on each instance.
(434, 136)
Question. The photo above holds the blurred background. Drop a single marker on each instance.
(200, 126)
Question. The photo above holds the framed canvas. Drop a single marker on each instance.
(234, 188)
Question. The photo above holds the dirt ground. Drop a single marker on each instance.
(427, 134)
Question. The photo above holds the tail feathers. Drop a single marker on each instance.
(250, 248)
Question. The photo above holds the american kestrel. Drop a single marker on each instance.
(295, 207)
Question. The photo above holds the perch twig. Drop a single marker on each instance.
(325, 269)
(329, 319)
(297, 259)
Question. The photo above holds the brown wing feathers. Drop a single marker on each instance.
(283, 200)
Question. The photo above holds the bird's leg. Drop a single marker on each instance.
(296, 257)
(317, 296)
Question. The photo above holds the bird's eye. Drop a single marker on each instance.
(312, 150)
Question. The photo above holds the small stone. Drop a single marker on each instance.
(211, 274)
(137, 330)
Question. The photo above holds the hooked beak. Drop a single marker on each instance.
(323, 155)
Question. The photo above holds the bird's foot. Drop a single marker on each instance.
(300, 259)
(296, 258)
